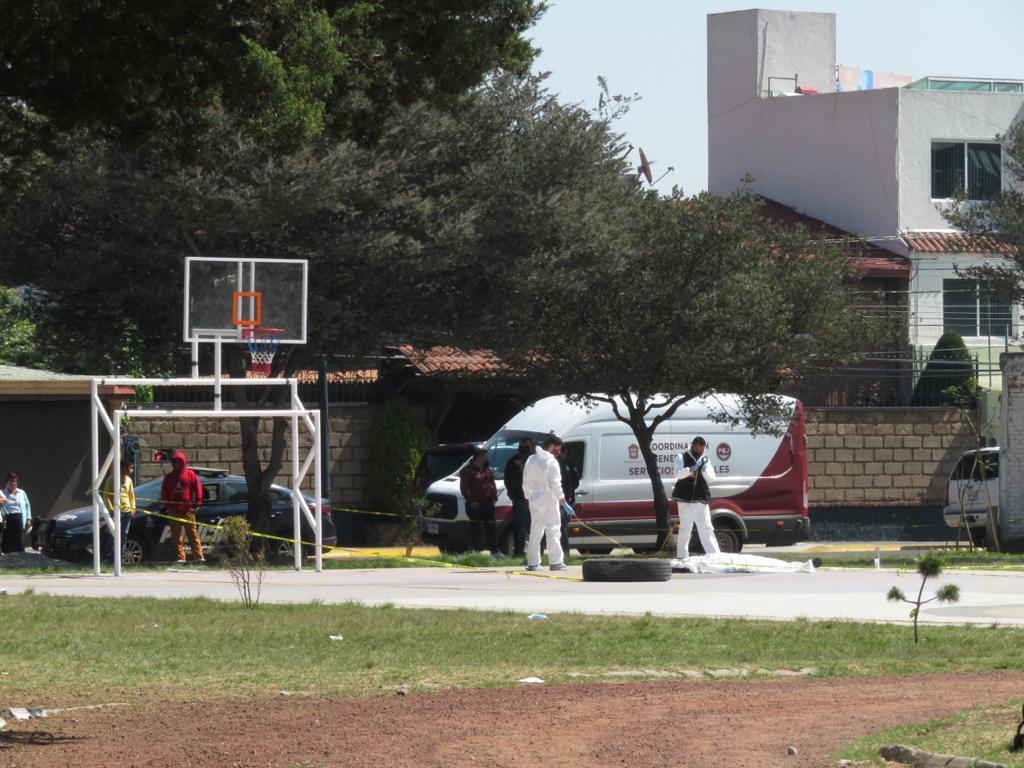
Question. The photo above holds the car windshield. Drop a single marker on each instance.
(504, 445)
(148, 494)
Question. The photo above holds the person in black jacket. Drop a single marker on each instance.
(693, 497)
(570, 482)
(514, 487)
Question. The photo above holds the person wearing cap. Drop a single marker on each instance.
(692, 495)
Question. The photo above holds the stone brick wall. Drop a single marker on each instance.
(881, 457)
(217, 443)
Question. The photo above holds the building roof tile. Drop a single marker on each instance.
(955, 242)
(870, 259)
(432, 361)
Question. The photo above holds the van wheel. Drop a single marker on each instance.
(626, 569)
(728, 540)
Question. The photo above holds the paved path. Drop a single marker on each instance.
(986, 597)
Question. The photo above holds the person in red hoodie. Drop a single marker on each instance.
(183, 494)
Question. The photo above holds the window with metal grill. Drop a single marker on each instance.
(972, 308)
(965, 166)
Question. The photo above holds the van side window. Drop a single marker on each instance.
(576, 453)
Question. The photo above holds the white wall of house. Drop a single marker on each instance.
(831, 155)
(927, 116)
(926, 298)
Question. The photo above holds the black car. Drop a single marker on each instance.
(440, 461)
(68, 536)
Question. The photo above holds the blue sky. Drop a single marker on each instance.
(657, 48)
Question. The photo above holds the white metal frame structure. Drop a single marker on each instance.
(298, 413)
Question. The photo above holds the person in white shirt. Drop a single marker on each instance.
(692, 495)
(542, 486)
(17, 513)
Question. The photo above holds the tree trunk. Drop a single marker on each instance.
(258, 478)
(645, 438)
(637, 407)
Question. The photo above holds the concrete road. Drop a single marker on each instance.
(986, 597)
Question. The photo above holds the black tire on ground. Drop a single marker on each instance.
(594, 550)
(626, 569)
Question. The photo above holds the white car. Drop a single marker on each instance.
(973, 486)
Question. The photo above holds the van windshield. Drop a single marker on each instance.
(504, 445)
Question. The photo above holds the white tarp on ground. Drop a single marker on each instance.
(726, 562)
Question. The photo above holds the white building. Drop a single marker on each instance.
(876, 162)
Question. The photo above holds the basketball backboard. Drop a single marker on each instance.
(228, 298)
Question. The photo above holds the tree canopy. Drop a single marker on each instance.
(439, 217)
(649, 303)
(283, 72)
(502, 223)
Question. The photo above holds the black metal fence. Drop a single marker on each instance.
(902, 379)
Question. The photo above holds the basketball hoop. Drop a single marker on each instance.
(263, 344)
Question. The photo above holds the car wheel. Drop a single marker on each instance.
(728, 540)
(626, 569)
(283, 552)
(134, 552)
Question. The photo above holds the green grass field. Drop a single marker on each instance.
(186, 648)
(983, 733)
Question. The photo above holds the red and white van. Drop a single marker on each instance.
(759, 496)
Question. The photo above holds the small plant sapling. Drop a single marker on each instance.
(929, 566)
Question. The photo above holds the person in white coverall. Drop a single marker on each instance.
(693, 497)
(542, 486)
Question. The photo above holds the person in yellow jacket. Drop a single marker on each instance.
(127, 496)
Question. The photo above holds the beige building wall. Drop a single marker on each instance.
(899, 457)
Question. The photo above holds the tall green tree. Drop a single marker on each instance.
(649, 303)
(17, 332)
(284, 72)
(422, 239)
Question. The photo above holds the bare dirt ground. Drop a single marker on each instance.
(680, 724)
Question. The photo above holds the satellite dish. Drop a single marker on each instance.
(645, 167)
